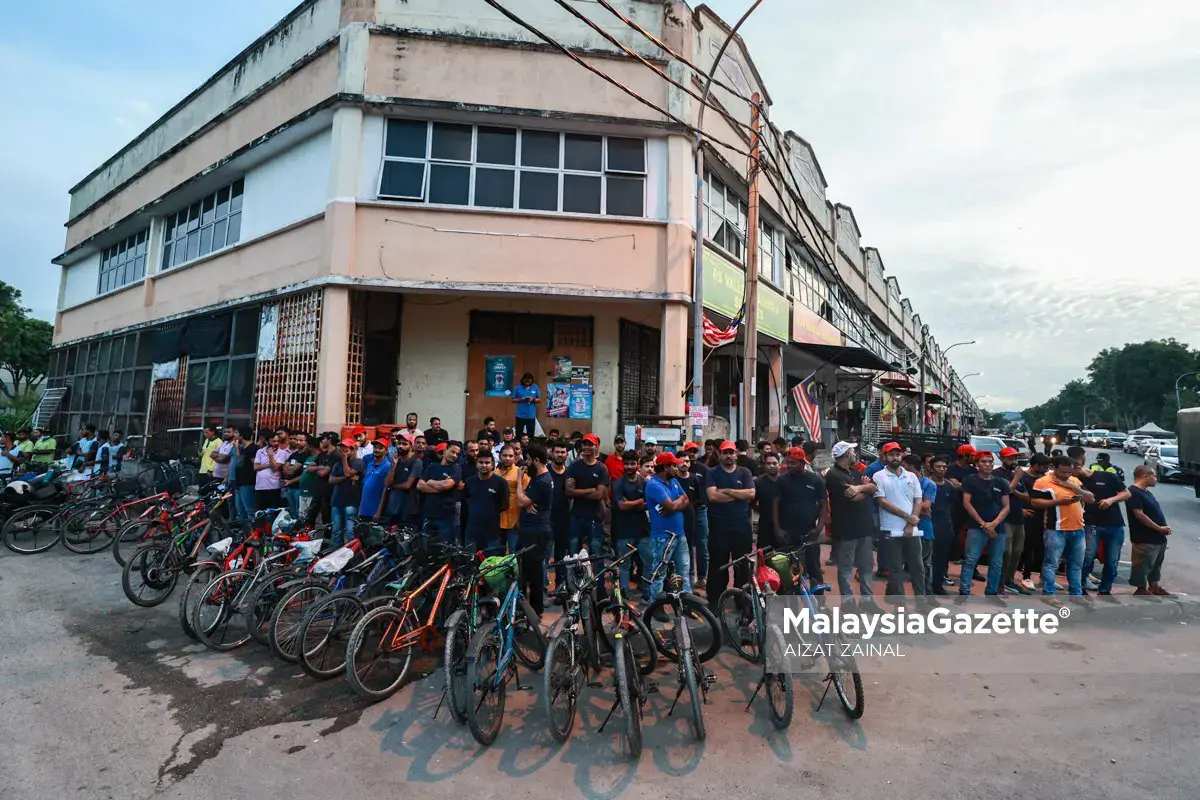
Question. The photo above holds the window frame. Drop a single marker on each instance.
(737, 223)
(136, 264)
(605, 173)
(172, 223)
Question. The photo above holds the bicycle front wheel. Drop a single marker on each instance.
(843, 671)
(33, 529)
(324, 632)
(624, 668)
(736, 613)
(203, 576)
(638, 638)
(563, 681)
(485, 709)
(702, 624)
(148, 579)
(380, 652)
(91, 530)
(454, 664)
(219, 619)
(780, 691)
(287, 616)
(693, 677)
(528, 640)
(130, 537)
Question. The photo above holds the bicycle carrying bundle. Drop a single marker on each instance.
(499, 573)
(783, 565)
(579, 572)
(371, 537)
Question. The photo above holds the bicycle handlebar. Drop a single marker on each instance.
(763, 550)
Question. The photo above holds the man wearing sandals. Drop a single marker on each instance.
(1148, 531)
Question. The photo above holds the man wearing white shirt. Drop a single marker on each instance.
(898, 496)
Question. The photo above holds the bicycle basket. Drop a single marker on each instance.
(783, 566)
(499, 573)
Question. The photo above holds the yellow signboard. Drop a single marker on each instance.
(724, 292)
(809, 328)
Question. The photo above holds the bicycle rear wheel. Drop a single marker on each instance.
(736, 612)
(149, 577)
(638, 638)
(778, 685)
(287, 616)
(377, 661)
(702, 624)
(219, 619)
(201, 577)
(91, 530)
(485, 708)
(454, 664)
(324, 632)
(131, 536)
(33, 529)
(843, 671)
(623, 667)
(563, 682)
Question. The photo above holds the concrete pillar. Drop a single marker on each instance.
(777, 402)
(333, 358)
(606, 351)
(673, 359)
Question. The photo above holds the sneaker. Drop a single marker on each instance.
(869, 606)
(1026, 583)
(1016, 587)
(1052, 601)
(1108, 598)
(961, 600)
(950, 581)
(1092, 583)
(975, 576)
(997, 600)
(1158, 591)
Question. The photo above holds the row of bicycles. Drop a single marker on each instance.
(367, 610)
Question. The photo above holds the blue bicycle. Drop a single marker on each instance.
(514, 635)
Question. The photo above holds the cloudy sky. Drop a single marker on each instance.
(1025, 168)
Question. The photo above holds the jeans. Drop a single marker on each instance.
(927, 559)
(243, 502)
(291, 496)
(899, 552)
(856, 554)
(445, 528)
(1014, 546)
(678, 554)
(647, 554)
(1058, 543)
(700, 567)
(1113, 539)
(587, 533)
(511, 537)
(344, 520)
(977, 542)
(1089, 552)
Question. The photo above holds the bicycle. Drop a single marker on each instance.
(691, 676)
(479, 607)
(158, 564)
(743, 614)
(158, 523)
(705, 630)
(512, 636)
(843, 672)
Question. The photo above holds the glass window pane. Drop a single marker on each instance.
(141, 390)
(539, 149)
(449, 185)
(583, 152)
(539, 191)
(116, 358)
(241, 386)
(129, 350)
(89, 386)
(494, 187)
(180, 254)
(210, 209)
(206, 240)
(581, 193)
(166, 259)
(193, 245)
(193, 396)
(626, 155)
(218, 387)
(223, 203)
(405, 138)
(496, 146)
(245, 332)
(235, 200)
(625, 196)
(110, 393)
(235, 229)
(145, 342)
(403, 179)
(220, 231)
(451, 142)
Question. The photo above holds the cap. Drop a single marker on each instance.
(1009, 451)
(349, 442)
(381, 442)
(441, 447)
(965, 450)
(357, 429)
(797, 454)
(889, 447)
(727, 445)
(593, 438)
(692, 446)
(666, 458)
(841, 448)
(651, 440)
(984, 454)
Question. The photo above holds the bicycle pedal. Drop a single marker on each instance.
(651, 687)
(710, 679)
(521, 688)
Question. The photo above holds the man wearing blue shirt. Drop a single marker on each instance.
(526, 396)
(665, 501)
(374, 483)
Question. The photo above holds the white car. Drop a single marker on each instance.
(1164, 458)
(992, 444)
(1132, 444)
(1022, 447)
(1145, 445)
(1116, 440)
(1096, 437)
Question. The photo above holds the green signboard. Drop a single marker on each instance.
(724, 285)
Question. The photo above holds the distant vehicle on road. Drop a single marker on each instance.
(1095, 437)
(993, 445)
(1145, 446)
(1134, 441)
(1116, 440)
(1022, 447)
(1164, 458)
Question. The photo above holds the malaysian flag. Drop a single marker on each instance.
(715, 337)
(805, 394)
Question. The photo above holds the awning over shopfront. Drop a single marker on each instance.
(856, 357)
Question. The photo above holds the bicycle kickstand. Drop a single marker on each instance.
(828, 682)
(678, 693)
(517, 680)
(442, 699)
(757, 688)
(616, 703)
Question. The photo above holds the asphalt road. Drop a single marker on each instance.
(101, 699)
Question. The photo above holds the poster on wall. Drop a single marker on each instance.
(581, 401)
(499, 375)
(562, 369)
(581, 374)
(558, 400)
(268, 333)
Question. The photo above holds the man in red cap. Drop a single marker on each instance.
(730, 491)
(801, 511)
(963, 466)
(665, 502)
(362, 447)
(587, 488)
(346, 480)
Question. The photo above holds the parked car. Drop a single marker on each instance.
(992, 444)
(1116, 440)
(1134, 442)
(1074, 436)
(1164, 458)
(1096, 437)
(1022, 447)
(1148, 443)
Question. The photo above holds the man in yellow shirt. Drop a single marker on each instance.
(208, 446)
(511, 473)
(44, 447)
(1061, 496)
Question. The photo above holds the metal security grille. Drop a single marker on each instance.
(286, 387)
(534, 330)
(639, 371)
(166, 412)
(355, 361)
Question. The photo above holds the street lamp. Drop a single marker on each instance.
(1178, 401)
(698, 263)
(956, 344)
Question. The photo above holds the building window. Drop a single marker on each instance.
(769, 265)
(123, 263)
(220, 389)
(725, 218)
(807, 285)
(204, 227)
(109, 383)
(486, 166)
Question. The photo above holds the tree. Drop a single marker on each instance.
(24, 344)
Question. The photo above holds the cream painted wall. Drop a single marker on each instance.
(79, 281)
(288, 187)
(433, 353)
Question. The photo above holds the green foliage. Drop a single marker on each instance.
(1133, 384)
(24, 345)
(17, 413)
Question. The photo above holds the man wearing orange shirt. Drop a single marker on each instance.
(1062, 496)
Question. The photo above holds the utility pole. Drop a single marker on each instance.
(750, 343)
(924, 334)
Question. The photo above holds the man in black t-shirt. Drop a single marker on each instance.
(1148, 531)
(560, 516)
(695, 487)
(730, 491)
(1104, 527)
(745, 460)
(244, 451)
(439, 485)
(852, 522)
(801, 511)
(764, 501)
(435, 434)
(631, 526)
(537, 502)
(1014, 523)
(587, 488)
(943, 524)
(484, 496)
(985, 500)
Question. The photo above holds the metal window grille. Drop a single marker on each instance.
(638, 371)
(166, 412)
(355, 362)
(285, 391)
